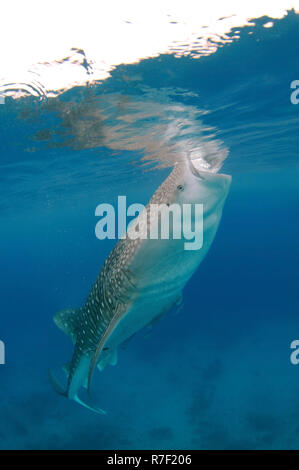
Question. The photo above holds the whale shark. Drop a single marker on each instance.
(140, 281)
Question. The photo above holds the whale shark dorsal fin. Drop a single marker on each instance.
(67, 321)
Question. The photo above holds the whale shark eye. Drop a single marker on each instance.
(180, 187)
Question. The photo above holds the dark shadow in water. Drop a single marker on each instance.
(161, 434)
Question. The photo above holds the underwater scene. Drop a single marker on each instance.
(111, 342)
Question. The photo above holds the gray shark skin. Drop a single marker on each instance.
(140, 280)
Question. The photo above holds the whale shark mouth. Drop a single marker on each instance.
(203, 174)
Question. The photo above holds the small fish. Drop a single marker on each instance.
(139, 282)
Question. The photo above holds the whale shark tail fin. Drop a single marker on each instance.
(61, 391)
(89, 406)
(67, 321)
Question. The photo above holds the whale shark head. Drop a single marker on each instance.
(188, 184)
(197, 186)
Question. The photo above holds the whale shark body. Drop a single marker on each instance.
(140, 280)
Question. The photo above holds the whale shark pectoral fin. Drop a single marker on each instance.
(113, 358)
(89, 406)
(127, 341)
(67, 321)
(110, 358)
(177, 304)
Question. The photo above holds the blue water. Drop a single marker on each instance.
(216, 375)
